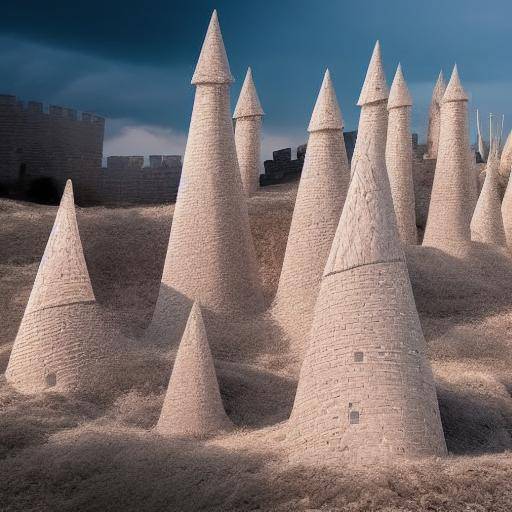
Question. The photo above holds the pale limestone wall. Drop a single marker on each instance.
(453, 190)
(366, 391)
(506, 212)
(248, 148)
(211, 256)
(399, 166)
(487, 222)
(192, 405)
(506, 157)
(61, 338)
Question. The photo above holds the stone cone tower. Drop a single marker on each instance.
(399, 158)
(58, 343)
(506, 157)
(320, 198)
(434, 117)
(193, 405)
(210, 257)
(487, 222)
(374, 96)
(366, 392)
(249, 115)
(506, 205)
(454, 187)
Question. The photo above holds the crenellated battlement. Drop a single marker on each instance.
(51, 111)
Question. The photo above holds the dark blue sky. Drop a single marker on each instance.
(133, 62)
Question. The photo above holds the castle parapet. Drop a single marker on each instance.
(125, 162)
(165, 161)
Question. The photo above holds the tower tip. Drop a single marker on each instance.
(375, 87)
(248, 104)
(454, 90)
(213, 66)
(326, 114)
(399, 95)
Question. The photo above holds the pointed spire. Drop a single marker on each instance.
(439, 88)
(62, 277)
(487, 222)
(326, 114)
(213, 66)
(375, 87)
(193, 405)
(506, 157)
(399, 95)
(454, 90)
(248, 104)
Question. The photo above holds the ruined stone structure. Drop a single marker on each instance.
(248, 115)
(192, 405)
(366, 392)
(506, 157)
(487, 222)
(61, 337)
(451, 204)
(210, 257)
(434, 117)
(59, 144)
(322, 189)
(399, 158)
(40, 150)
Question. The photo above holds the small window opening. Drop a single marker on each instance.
(353, 417)
(358, 357)
(51, 380)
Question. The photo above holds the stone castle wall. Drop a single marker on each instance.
(40, 148)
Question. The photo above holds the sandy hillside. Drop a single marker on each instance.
(98, 453)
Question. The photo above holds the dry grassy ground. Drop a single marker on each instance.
(99, 453)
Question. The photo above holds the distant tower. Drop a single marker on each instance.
(454, 187)
(434, 117)
(248, 115)
(193, 405)
(482, 149)
(374, 96)
(366, 392)
(506, 157)
(399, 158)
(210, 257)
(320, 197)
(487, 222)
(59, 341)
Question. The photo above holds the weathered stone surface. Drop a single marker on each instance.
(506, 157)
(320, 198)
(399, 158)
(193, 405)
(454, 188)
(61, 338)
(366, 392)
(210, 257)
(248, 115)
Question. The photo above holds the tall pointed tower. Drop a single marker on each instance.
(59, 340)
(249, 115)
(374, 96)
(193, 405)
(454, 187)
(210, 257)
(505, 167)
(434, 117)
(399, 158)
(366, 392)
(320, 198)
(487, 222)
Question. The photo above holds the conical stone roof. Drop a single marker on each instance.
(366, 392)
(322, 190)
(375, 87)
(213, 66)
(61, 337)
(193, 405)
(326, 114)
(487, 222)
(399, 158)
(434, 117)
(210, 256)
(399, 95)
(454, 188)
(248, 103)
